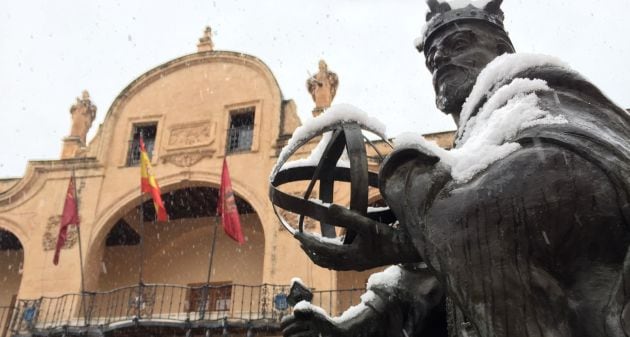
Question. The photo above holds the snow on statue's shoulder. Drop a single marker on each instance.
(488, 132)
(501, 68)
(333, 116)
(417, 141)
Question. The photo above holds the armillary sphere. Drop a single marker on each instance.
(328, 169)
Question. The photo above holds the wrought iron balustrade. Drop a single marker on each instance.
(208, 306)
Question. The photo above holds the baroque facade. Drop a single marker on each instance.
(193, 112)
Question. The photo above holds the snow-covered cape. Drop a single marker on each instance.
(524, 99)
(574, 114)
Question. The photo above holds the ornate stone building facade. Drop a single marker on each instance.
(193, 112)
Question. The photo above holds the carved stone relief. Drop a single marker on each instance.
(191, 135)
(49, 241)
(188, 158)
(189, 143)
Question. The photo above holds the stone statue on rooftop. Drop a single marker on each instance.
(322, 87)
(525, 222)
(205, 42)
(83, 113)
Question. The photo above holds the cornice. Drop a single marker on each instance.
(30, 183)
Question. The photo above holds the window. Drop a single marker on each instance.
(241, 131)
(148, 132)
(218, 298)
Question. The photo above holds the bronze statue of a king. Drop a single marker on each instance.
(523, 225)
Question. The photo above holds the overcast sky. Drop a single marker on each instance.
(51, 50)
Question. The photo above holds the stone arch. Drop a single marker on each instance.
(106, 132)
(130, 200)
(15, 229)
(12, 260)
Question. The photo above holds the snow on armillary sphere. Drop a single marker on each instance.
(341, 156)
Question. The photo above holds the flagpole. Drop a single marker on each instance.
(214, 241)
(206, 294)
(140, 280)
(76, 198)
(139, 295)
(218, 212)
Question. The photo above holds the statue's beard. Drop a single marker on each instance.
(452, 86)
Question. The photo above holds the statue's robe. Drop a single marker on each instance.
(412, 305)
(535, 244)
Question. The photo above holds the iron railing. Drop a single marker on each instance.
(209, 306)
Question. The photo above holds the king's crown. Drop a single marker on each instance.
(442, 13)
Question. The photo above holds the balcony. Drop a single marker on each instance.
(159, 309)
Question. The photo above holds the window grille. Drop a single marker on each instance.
(148, 132)
(240, 135)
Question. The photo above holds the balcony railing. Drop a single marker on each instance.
(205, 307)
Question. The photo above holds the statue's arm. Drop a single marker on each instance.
(397, 299)
(375, 245)
(379, 244)
(365, 319)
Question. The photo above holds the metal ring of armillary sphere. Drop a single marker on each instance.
(345, 135)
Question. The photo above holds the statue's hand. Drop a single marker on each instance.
(308, 323)
(376, 244)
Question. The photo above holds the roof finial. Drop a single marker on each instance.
(323, 87)
(205, 42)
(83, 113)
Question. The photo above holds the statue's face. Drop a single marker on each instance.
(455, 56)
(322, 65)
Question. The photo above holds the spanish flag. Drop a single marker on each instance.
(149, 185)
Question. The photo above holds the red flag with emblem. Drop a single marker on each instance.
(226, 207)
(69, 216)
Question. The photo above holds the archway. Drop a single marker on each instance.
(176, 252)
(11, 263)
